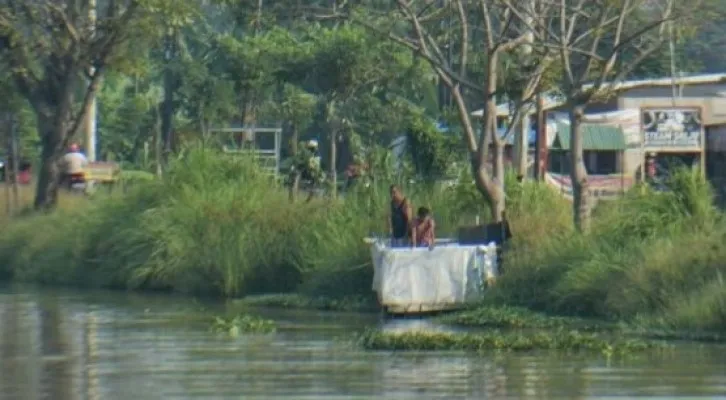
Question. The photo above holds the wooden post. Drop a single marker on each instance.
(642, 151)
(14, 154)
(540, 154)
(8, 194)
(703, 152)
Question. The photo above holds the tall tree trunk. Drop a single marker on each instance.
(333, 162)
(170, 83)
(158, 144)
(52, 129)
(167, 114)
(497, 192)
(489, 150)
(522, 146)
(333, 131)
(247, 107)
(578, 173)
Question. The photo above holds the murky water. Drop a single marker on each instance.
(98, 345)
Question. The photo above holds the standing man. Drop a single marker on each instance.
(400, 219)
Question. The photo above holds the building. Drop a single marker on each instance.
(604, 148)
(706, 94)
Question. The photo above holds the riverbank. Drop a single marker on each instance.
(217, 226)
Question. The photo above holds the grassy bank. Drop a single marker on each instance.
(216, 226)
(653, 257)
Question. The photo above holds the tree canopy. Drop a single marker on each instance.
(358, 75)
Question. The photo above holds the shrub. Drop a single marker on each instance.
(649, 253)
(213, 225)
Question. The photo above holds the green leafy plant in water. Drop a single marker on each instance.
(301, 301)
(508, 317)
(242, 323)
(496, 340)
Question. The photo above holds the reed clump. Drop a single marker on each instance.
(658, 255)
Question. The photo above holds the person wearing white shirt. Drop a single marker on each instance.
(73, 165)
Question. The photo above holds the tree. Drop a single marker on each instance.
(49, 47)
(297, 110)
(466, 43)
(352, 72)
(600, 43)
(432, 151)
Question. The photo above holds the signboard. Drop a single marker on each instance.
(601, 186)
(672, 129)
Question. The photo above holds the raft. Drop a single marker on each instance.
(447, 277)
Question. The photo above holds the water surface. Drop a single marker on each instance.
(62, 345)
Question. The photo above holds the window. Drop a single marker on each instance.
(606, 162)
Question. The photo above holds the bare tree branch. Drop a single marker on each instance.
(463, 62)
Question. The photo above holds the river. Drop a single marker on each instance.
(65, 344)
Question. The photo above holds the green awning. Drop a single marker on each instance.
(594, 137)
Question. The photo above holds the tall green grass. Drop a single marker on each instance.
(216, 225)
(653, 255)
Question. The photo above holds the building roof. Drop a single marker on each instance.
(678, 80)
(594, 137)
(552, 100)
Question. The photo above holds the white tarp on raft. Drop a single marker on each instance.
(419, 278)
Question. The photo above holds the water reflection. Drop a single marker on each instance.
(109, 346)
(403, 325)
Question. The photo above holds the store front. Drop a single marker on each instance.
(672, 138)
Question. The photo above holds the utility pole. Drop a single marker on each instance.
(89, 126)
(540, 152)
(521, 143)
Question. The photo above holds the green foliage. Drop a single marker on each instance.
(217, 225)
(495, 340)
(297, 108)
(650, 253)
(507, 317)
(357, 303)
(126, 116)
(433, 152)
(243, 323)
(213, 225)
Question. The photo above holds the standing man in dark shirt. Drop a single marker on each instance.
(399, 221)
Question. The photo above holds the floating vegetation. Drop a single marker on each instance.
(242, 323)
(495, 340)
(674, 335)
(507, 317)
(299, 301)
